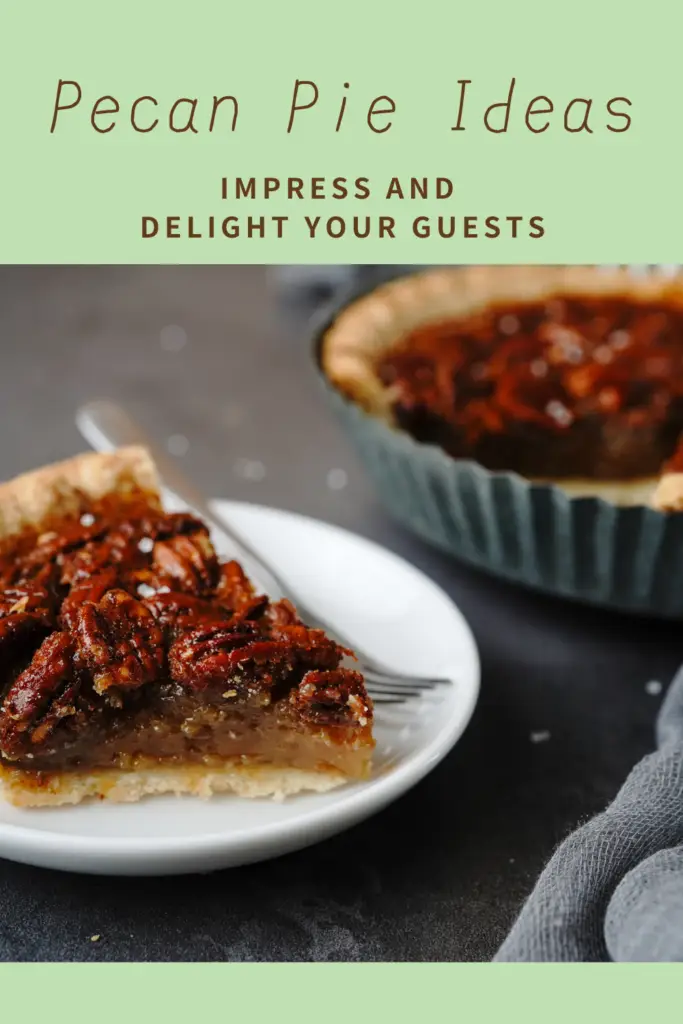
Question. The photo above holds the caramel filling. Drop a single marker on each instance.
(208, 736)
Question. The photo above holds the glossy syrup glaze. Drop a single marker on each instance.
(574, 386)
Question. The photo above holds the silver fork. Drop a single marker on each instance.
(106, 426)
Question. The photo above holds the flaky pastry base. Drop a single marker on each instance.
(253, 781)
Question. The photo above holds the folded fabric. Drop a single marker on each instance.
(613, 891)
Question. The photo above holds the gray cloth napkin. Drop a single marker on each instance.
(614, 889)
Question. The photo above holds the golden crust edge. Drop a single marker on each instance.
(58, 489)
(246, 781)
(623, 493)
(668, 494)
(372, 324)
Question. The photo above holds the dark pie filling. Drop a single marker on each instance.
(572, 387)
(125, 642)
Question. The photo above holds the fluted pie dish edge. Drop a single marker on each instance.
(605, 543)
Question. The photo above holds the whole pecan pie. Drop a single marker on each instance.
(566, 374)
(134, 661)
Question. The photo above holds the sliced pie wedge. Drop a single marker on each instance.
(134, 662)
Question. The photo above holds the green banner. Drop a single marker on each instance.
(363, 133)
(339, 993)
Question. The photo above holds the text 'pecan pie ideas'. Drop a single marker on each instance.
(134, 662)
(571, 375)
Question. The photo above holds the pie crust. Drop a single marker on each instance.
(668, 493)
(64, 488)
(372, 326)
(260, 727)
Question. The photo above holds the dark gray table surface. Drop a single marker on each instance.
(441, 873)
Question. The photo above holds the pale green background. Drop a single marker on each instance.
(340, 993)
(78, 197)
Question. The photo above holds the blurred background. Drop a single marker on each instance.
(216, 363)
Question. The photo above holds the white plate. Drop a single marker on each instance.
(391, 610)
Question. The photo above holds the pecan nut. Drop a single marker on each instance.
(282, 613)
(201, 658)
(217, 655)
(234, 589)
(179, 611)
(41, 696)
(19, 633)
(28, 596)
(93, 557)
(189, 559)
(335, 697)
(120, 642)
(89, 588)
(52, 544)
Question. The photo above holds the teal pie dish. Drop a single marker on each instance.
(608, 548)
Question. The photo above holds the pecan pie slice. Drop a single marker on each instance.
(572, 375)
(133, 661)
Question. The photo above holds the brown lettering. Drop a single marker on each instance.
(584, 126)
(214, 110)
(133, 109)
(506, 104)
(189, 125)
(530, 112)
(97, 110)
(619, 113)
(375, 112)
(301, 106)
(66, 106)
(463, 83)
(150, 227)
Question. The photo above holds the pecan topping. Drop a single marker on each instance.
(234, 589)
(26, 616)
(203, 657)
(126, 611)
(565, 369)
(53, 543)
(119, 640)
(174, 523)
(210, 654)
(283, 613)
(180, 610)
(115, 549)
(317, 648)
(40, 697)
(89, 588)
(27, 596)
(189, 559)
(333, 698)
(18, 633)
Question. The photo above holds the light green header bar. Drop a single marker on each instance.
(339, 993)
(551, 132)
